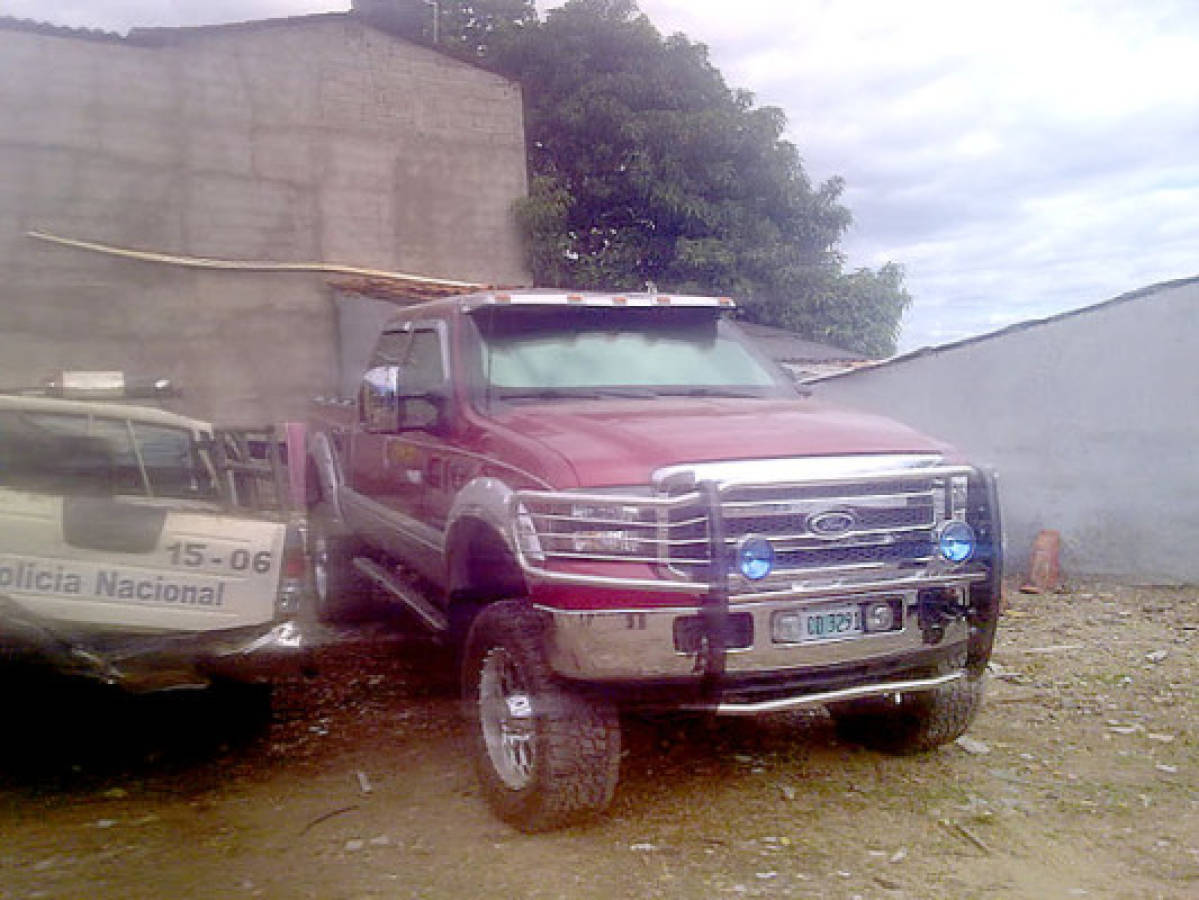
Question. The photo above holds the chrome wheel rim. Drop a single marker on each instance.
(506, 717)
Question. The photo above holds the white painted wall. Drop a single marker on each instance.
(1091, 419)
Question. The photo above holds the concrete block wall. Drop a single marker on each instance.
(1090, 418)
(309, 139)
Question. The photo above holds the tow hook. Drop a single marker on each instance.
(935, 608)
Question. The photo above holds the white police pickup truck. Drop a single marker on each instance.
(130, 549)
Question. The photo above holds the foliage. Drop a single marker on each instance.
(472, 28)
(860, 311)
(464, 28)
(647, 169)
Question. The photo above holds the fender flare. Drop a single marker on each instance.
(483, 501)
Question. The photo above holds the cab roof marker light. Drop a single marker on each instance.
(535, 297)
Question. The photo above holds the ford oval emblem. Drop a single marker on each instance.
(832, 523)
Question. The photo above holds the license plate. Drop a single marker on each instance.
(830, 623)
(821, 623)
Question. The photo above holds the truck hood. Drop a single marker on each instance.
(610, 443)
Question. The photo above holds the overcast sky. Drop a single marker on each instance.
(1019, 158)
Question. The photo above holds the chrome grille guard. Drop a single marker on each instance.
(851, 533)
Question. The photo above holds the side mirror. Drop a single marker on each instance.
(386, 405)
(379, 399)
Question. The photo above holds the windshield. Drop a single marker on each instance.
(548, 352)
(67, 454)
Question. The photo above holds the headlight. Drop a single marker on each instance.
(755, 557)
(609, 541)
(956, 541)
(613, 514)
(605, 542)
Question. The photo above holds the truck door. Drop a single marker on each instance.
(388, 472)
(446, 467)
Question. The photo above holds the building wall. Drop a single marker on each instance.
(1090, 418)
(312, 139)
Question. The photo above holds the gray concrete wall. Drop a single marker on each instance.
(1092, 420)
(316, 139)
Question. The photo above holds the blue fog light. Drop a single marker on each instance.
(755, 558)
(957, 541)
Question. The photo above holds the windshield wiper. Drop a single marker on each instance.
(576, 393)
(549, 394)
(717, 391)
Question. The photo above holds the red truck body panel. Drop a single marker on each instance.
(619, 443)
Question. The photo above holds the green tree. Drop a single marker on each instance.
(647, 169)
(861, 311)
(472, 29)
(465, 28)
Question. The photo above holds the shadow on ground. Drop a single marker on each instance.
(65, 732)
(70, 734)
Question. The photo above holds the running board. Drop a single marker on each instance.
(783, 704)
(431, 617)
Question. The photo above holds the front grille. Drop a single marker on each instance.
(830, 529)
(886, 525)
(902, 552)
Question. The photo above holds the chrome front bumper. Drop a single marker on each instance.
(631, 645)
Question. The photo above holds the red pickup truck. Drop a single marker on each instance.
(615, 501)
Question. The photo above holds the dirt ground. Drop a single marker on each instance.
(1078, 779)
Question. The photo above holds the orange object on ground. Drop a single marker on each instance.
(1044, 570)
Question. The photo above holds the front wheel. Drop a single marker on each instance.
(917, 723)
(545, 755)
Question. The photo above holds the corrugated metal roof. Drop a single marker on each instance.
(403, 292)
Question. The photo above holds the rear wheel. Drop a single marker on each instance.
(918, 722)
(545, 755)
(341, 593)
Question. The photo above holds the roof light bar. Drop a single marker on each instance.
(108, 385)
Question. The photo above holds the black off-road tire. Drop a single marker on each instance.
(339, 592)
(921, 721)
(546, 755)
